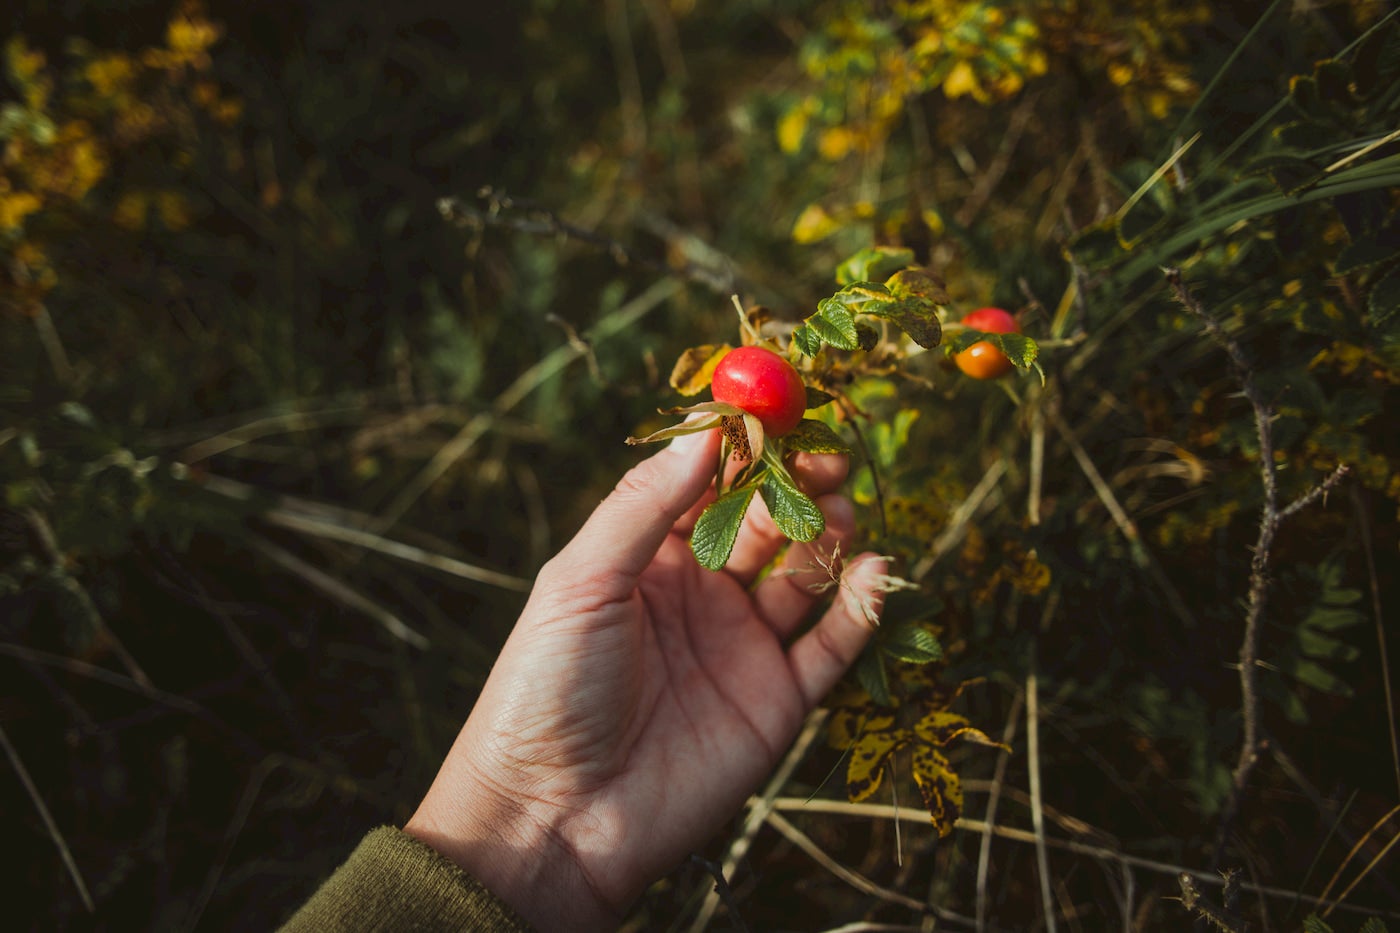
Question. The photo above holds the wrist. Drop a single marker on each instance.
(522, 858)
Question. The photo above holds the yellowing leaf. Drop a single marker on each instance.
(940, 727)
(877, 742)
(844, 726)
(792, 129)
(814, 224)
(939, 786)
(696, 366)
(961, 80)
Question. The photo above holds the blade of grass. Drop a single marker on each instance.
(50, 824)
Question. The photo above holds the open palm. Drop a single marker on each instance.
(641, 698)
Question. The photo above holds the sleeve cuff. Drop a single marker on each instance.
(394, 882)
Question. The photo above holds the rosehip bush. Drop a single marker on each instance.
(762, 388)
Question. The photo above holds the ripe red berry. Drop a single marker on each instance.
(765, 385)
(983, 360)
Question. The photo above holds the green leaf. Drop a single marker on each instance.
(1021, 350)
(815, 437)
(1312, 923)
(1373, 925)
(834, 325)
(872, 263)
(795, 514)
(718, 527)
(1139, 222)
(1317, 645)
(1332, 618)
(917, 317)
(871, 673)
(912, 643)
(1384, 302)
(1318, 677)
(816, 398)
(807, 340)
(1289, 173)
(1363, 254)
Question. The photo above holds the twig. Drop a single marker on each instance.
(335, 532)
(1269, 520)
(1042, 858)
(984, 855)
(340, 592)
(958, 521)
(501, 211)
(884, 811)
(1141, 555)
(853, 419)
(54, 833)
(855, 879)
(1222, 918)
(722, 888)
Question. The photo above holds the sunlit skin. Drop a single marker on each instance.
(763, 384)
(983, 360)
(640, 698)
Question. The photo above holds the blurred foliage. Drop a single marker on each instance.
(270, 423)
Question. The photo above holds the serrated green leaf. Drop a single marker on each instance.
(834, 325)
(815, 437)
(1363, 254)
(793, 511)
(1312, 923)
(816, 398)
(1384, 302)
(1332, 618)
(807, 340)
(917, 317)
(718, 528)
(1306, 135)
(1317, 645)
(1289, 173)
(873, 677)
(1318, 677)
(1373, 925)
(873, 263)
(912, 643)
(1021, 350)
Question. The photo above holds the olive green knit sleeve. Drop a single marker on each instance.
(394, 882)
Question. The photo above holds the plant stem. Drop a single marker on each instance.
(1271, 516)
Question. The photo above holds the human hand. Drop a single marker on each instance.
(641, 698)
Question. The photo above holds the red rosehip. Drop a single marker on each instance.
(983, 360)
(765, 385)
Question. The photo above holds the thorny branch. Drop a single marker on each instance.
(1270, 519)
(500, 209)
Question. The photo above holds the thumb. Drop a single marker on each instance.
(625, 531)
